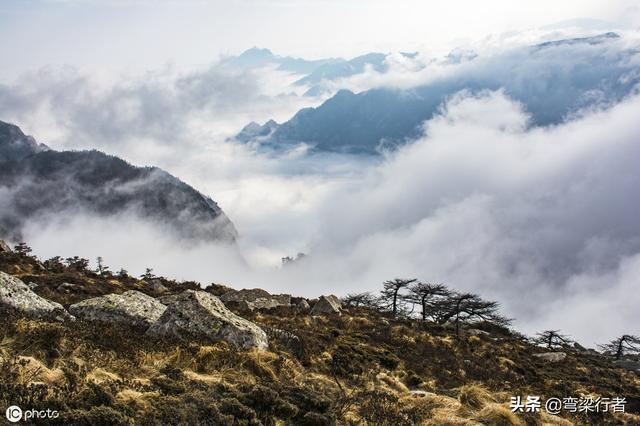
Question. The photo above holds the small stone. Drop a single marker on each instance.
(551, 356)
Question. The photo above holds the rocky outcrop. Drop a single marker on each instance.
(551, 356)
(17, 296)
(131, 308)
(157, 286)
(4, 247)
(326, 305)
(200, 315)
(303, 305)
(335, 300)
(255, 298)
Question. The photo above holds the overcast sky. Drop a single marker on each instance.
(142, 34)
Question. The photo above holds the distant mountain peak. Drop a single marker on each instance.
(15, 145)
(257, 52)
(597, 39)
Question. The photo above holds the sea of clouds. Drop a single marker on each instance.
(542, 219)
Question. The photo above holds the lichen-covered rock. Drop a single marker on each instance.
(303, 305)
(200, 315)
(4, 247)
(168, 299)
(16, 295)
(246, 294)
(131, 308)
(326, 305)
(335, 300)
(157, 286)
(551, 356)
(256, 298)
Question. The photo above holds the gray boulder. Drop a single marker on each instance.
(200, 315)
(303, 305)
(157, 286)
(326, 305)
(551, 356)
(4, 247)
(16, 295)
(129, 308)
(68, 288)
(246, 294)
(335, 300)
(255, 298)
(168, 299)
(477, 332)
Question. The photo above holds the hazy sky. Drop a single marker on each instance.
(142, 34)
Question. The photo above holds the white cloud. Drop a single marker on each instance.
(543, 220)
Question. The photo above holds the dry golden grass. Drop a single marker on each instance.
(32, 370)
(205, 378)
(551, 420)
(474, 396)
(390, 383)
(498, 415)
(100, 375)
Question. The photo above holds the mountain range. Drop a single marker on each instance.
(314, 72)
(36, 181)
(553, 81)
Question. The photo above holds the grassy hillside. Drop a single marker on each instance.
(362, 367)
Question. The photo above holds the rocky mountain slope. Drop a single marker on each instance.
(155, 351)
(36, 182)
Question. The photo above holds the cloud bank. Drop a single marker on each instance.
(542, 219)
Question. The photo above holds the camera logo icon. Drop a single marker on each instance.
(14, 414)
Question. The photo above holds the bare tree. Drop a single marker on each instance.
(552, 339)
(464, 307)
(361, 300)
(391, 292)
(623, 345)
(427, 296)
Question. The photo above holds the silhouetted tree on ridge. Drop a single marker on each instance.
(624, 345)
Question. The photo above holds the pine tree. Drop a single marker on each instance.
(391, 292)
(552, 339)
(622, 346)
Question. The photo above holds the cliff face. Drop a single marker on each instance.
(36, 182)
